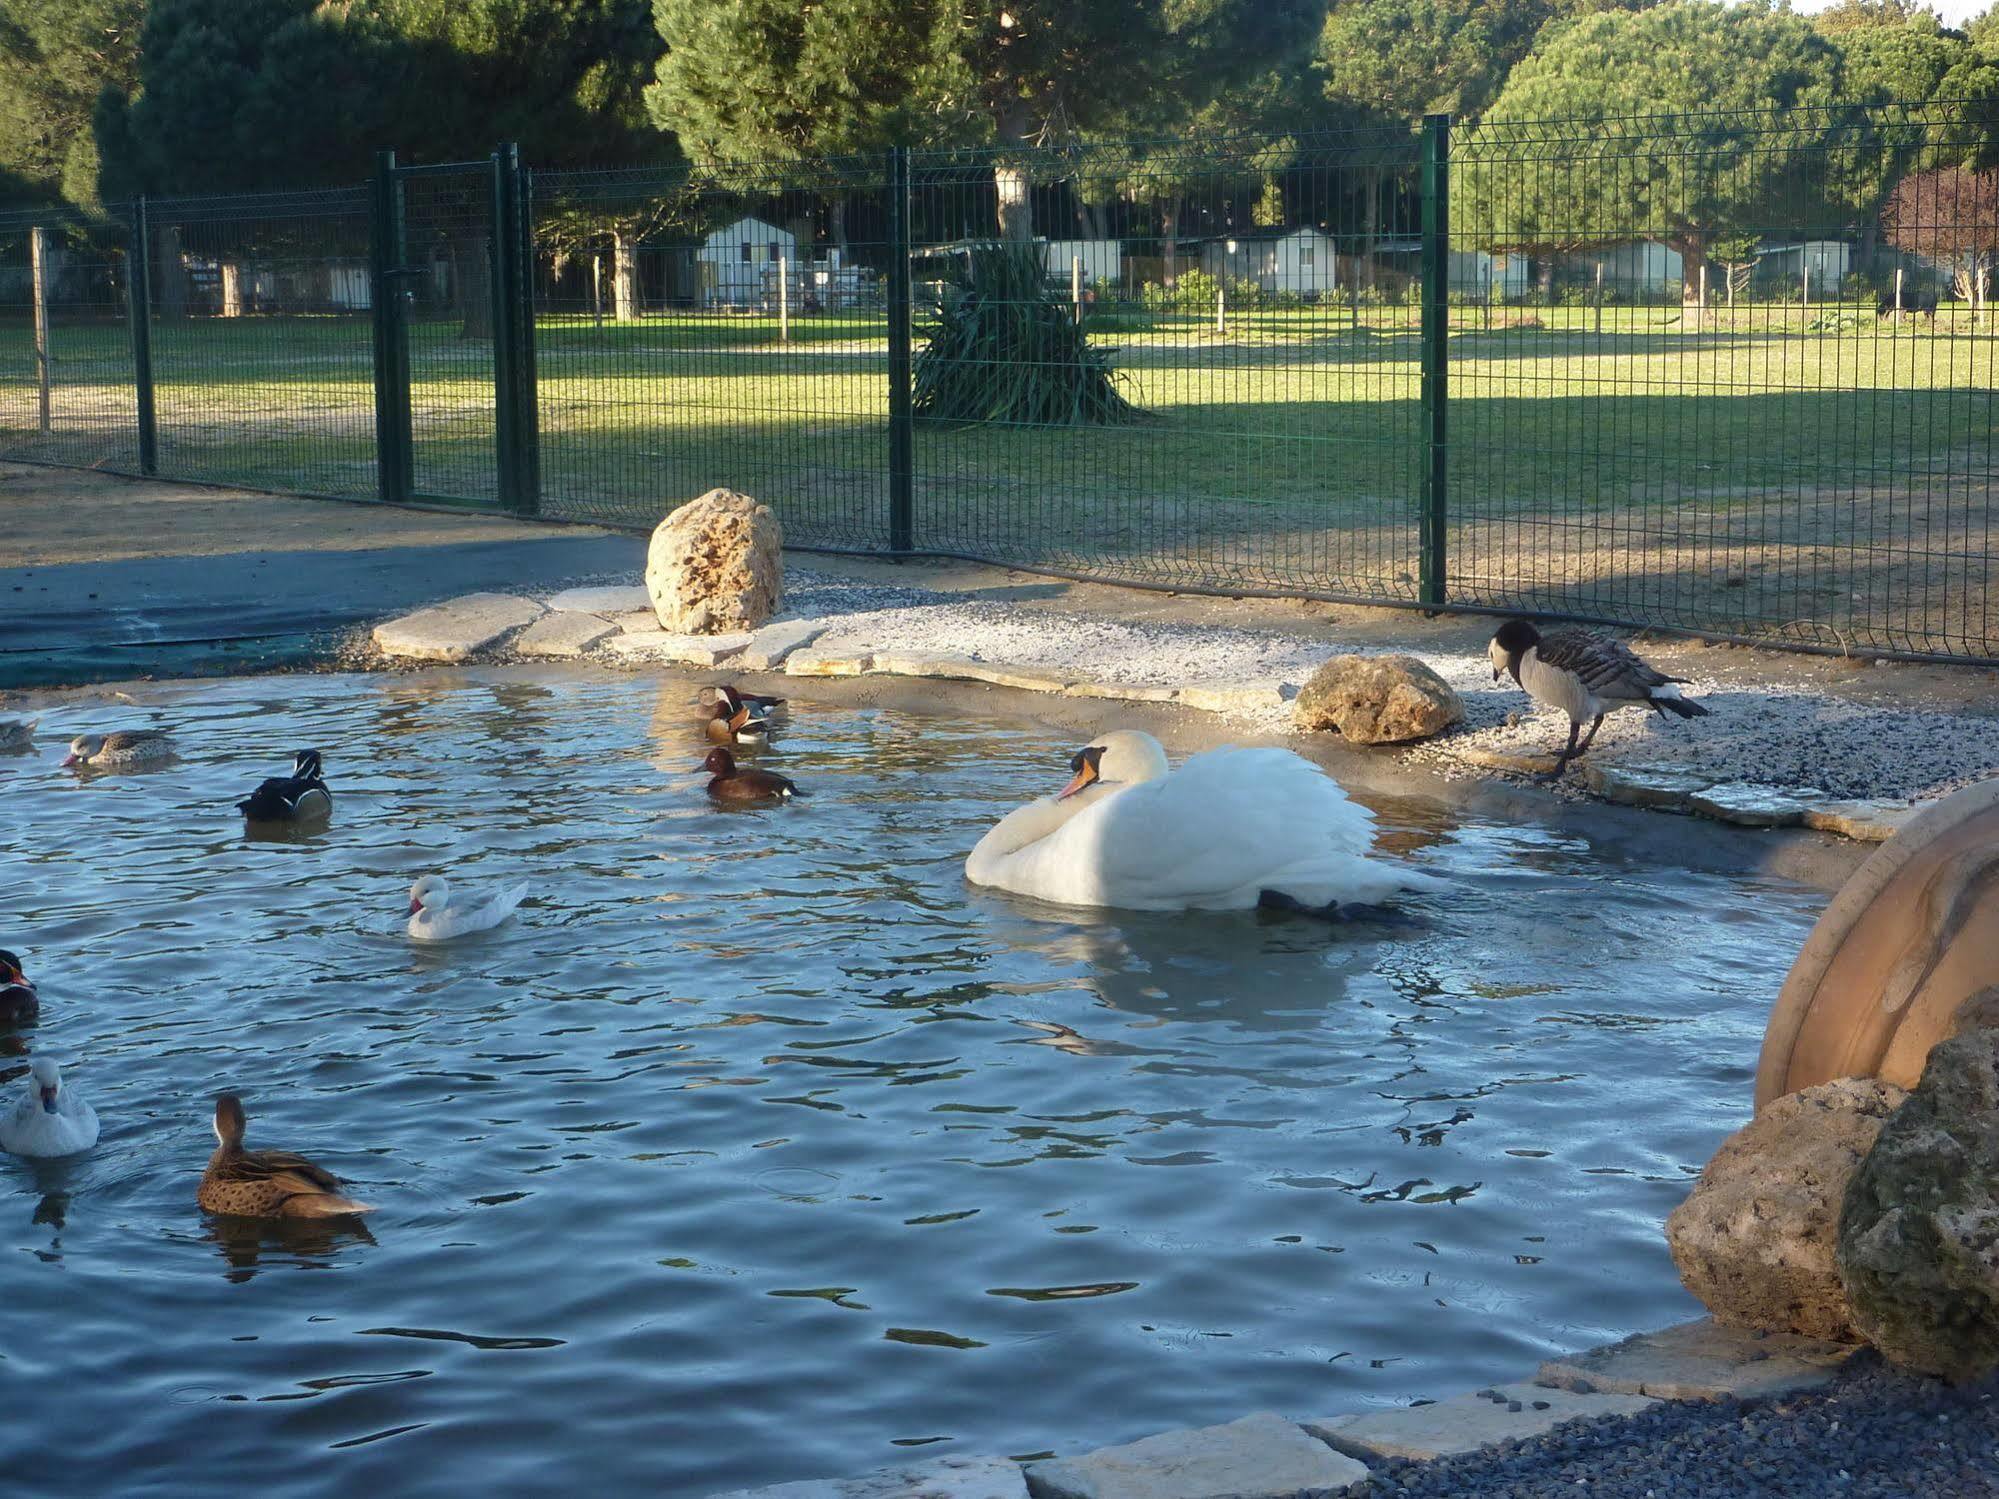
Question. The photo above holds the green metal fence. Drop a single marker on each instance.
(1726, 374)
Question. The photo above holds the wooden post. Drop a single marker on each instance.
(38, 275)
(784, 299)
(1222, 310)
(1898, 295)
(1597, 297)
(597, 288)
(1805, 288)
(1076, 286)
(1700, 301)
(232, 289)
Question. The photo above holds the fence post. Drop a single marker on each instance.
(139, 313)
(515, 419)
(1436, 353)
(784, 299)
(901, 419)
(394, 446)
(38, 283)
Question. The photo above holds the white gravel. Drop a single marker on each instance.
(1772, 735)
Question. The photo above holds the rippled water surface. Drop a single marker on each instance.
(760, 1146)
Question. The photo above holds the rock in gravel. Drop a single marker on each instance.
(1755, 1240)
(716, 565)
(1378, 700)
(940, 1478)
(1919, 1238)
(457, 629)
(563, 634)
(1259, 1457)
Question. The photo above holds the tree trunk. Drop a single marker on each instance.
(1016, 208)
(1370, 224)
(1693, 257)
(472, 285)
(232, 289)
(1169, 240)
(836, 225)
(624, 277)
(172, 299)
(1548, 280)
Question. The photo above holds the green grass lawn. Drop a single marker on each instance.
(1757, 473)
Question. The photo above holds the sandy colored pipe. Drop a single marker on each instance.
(1911, 938)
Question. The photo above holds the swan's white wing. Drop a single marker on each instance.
(1230, 824)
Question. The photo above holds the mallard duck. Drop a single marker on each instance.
(50, 1120)
(243, 1183)
(17, 734)
(433, 918)
(126, 747)
(734, 783)
(738, 727)
(299, 797)
(19, 1004)
(1229, 830)
(1587, 676)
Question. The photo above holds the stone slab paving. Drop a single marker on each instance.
(1701, 1360)
(458, 629)
(1505, 1413)
(965, 669)
(1751, 806)
(1643, 786)
(639, 622)
(562, 634)
(770, 646)
(617, 599)
(1236, 697)
(681, 650)
(828, 661)
(1867, 821)
(940, 1478)
(1123, 692)
(1259, 1457)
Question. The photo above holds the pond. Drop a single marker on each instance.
(760, 1146)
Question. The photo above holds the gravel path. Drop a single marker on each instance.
(1873, 1434)
(1795, 739)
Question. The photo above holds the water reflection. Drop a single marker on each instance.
(249, 1245)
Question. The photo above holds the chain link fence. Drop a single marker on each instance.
(1732, 375)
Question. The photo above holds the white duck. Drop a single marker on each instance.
(433, 918)
(1229, 830)
(50, 1119)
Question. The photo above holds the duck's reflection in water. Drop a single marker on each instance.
(251, 1244)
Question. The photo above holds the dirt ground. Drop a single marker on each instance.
(53, 516)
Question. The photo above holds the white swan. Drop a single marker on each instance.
(1215, 835)
(50, 1119)
(434, 919)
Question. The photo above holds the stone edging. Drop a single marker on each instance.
(1265, 1456)
(616, 626)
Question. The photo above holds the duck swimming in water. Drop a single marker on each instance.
(19, 1003)
(735, 701)
(120, 750)
(17, 734)
(734, 783)
(299, 797)
(243, 1183)
(1230, 830)
(50, 1120)
(433, 917)
(739, 727)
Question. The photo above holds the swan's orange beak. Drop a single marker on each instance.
(1085, 774)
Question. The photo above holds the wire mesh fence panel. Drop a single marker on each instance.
(261, 347)
(446, 280)
(722, 327)
(66, 388)
(1730, 373)
(1190, 365)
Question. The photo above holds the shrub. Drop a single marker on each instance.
(1007, 349)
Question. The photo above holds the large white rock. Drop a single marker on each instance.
(457, 629)
(1700, 1360)
(619, 599)
(1467, 1422)
(716, 565)
(1378, 700)
(940, 1478)
(1259, 1457)
(562, 635)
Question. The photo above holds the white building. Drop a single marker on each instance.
(1102, 260)
(733, 261)
(1301, 261)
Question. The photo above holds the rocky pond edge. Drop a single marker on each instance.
(842, 628)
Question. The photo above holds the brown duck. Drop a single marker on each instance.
(19, 1004)
(735, 783)
(243, 1183)
(735, 701)
(738, 727)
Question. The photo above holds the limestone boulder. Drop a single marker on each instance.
(716, 565)
(1756, 1240)
(1378, 700)
(1919, 1235)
